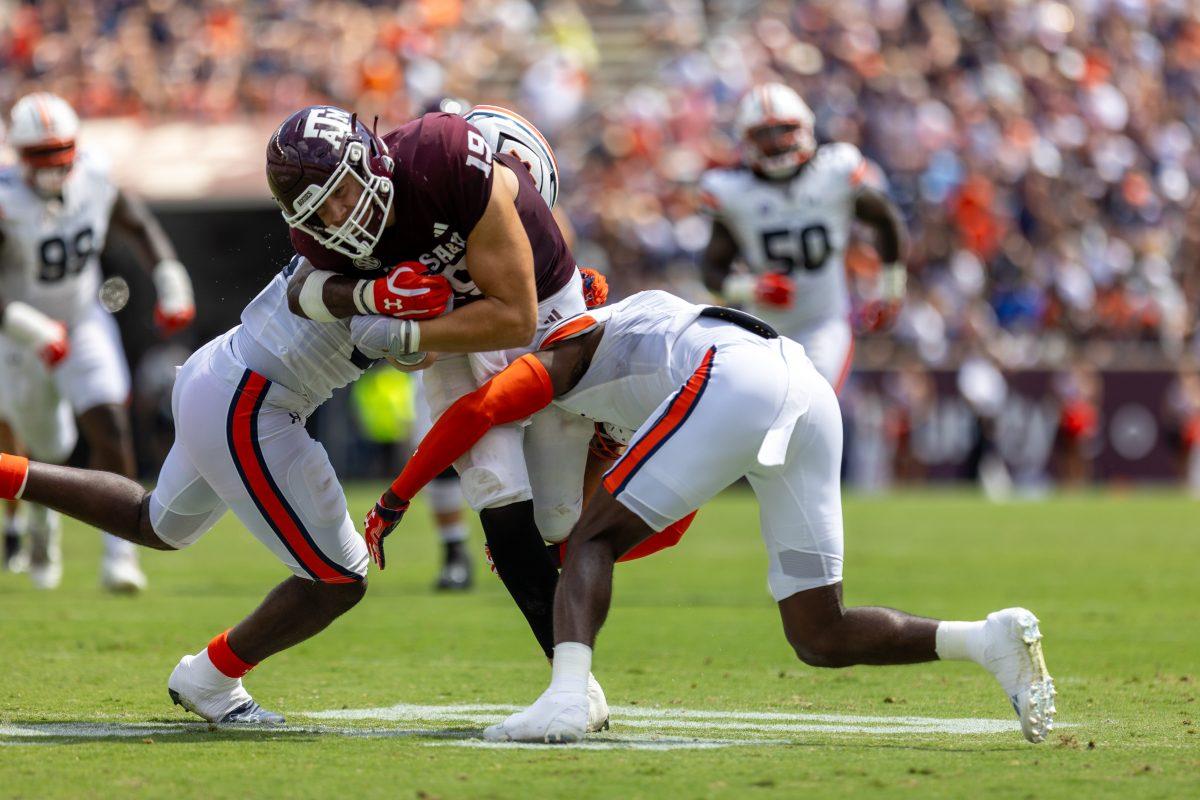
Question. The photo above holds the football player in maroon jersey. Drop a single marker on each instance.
(432, 191)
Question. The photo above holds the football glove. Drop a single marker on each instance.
(405, 293)
(595, 287)
(775, 290)
(47, 337)
(176, 307)
(381, 520)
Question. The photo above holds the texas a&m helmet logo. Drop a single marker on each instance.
(328, 123)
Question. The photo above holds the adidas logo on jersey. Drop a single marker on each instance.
(438, 229)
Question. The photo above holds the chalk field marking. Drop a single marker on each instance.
(638, 727)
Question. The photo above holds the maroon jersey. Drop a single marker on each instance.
(442, 182)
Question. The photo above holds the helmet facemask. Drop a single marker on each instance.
(47, 167)
(360, 232)
(778, 149)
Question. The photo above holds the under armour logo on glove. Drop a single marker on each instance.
(406, 292)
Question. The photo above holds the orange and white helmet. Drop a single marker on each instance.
(776, 129)
(42, 130)
(508, 132)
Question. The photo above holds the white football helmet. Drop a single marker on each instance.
(509, 132)
(43, 131)
(776, 129)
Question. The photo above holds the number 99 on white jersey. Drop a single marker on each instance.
(50, 255)
(799, 227)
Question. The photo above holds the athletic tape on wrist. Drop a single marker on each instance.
(359, 295)
(312, 297)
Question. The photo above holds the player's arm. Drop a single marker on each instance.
(874, 209)
(131, 219)
(26, 325)
(500, 261)
(717, 260)
(525, 387)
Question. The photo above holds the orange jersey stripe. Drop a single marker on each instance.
(677, 412)
(841, 381)
(572, 327)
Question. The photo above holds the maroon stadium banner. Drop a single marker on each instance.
(1129, 433)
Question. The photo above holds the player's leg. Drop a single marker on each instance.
(445, 498)
(258, 459)
(446, 501)
(699, 441)
(830, 346)
(94, 379)
(43, 421)
(14, 560)
(495, 483)
(801, 522)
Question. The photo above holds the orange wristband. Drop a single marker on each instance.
(14, 471)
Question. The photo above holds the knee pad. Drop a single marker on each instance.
(555, 523)
(445, 495)
(180, 530)
(483, 487)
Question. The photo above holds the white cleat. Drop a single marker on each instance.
(45, 554)
(597, 706)
(554, 718)
(1013, 654)
(227, 702)
(122, 575)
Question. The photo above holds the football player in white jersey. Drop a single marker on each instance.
(787, 214)
(60, 348)
(712, 395)
(240, 404)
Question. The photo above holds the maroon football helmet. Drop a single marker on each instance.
(310, 154)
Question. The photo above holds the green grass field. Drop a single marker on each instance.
(84, 708)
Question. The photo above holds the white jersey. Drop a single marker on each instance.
(799, 227)
(652, 343)
(50, 255)
(310, 358)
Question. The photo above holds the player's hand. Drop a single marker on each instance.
(877, 315)
(595, 287)
(176, 307)
(775, 290)
(405, 293)
(54, 351)
(43, 335)
(382, 520)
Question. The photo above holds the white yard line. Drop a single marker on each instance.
(637, 727)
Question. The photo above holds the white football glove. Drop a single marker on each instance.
(46, 336)
(387, 337)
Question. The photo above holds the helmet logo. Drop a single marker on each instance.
(330, 124)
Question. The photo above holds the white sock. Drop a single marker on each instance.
(205, 673)
(454, 532)
(961, 641)
(118, 548)
(571, 667)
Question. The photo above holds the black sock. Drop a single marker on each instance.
(454, 551)
(524, 565)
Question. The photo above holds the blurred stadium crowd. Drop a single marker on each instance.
(1044, 153)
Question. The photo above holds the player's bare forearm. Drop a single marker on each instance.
(481, 326)
(338, 293)
(132, 220)
(875, 210)
(718, 257)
